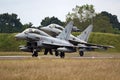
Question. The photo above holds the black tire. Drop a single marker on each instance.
(50, 51)
(81, 53)
(56, 53)
(46, 52)
(35, 54)
(62, 54)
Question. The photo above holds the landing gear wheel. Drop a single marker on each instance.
(62, 54)
(35, 54)
(46, 52)
(50, 51)
(81, 53)
(56, 53)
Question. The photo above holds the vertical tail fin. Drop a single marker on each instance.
(65, 34)
(86, 33)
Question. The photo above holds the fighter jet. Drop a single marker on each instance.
(81, 41)
(61, 43)
(36, 41)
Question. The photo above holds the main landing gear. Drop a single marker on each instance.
(62, 54)
(48, 50)
(56, 53)
(81, 53)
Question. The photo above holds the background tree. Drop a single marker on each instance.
(102, 22)
(27, 25)
(82, 13)
(113, 19)
(10, 23)
(47, 20)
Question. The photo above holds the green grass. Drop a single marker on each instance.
(60, 69)
(106, 39)
(8, 42)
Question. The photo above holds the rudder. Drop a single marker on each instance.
(65, 34)
(86, 33)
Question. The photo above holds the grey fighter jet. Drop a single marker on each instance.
(62, 43)
(36, 41)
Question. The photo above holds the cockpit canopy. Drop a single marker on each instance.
(56, 26)
(35, 31)
(31, 30)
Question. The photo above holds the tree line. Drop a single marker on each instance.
(81, 15)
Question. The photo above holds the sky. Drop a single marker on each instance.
(35, 11)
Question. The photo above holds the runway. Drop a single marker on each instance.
(53, 57)
(14, 57)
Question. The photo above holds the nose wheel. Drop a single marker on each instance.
(35, 53)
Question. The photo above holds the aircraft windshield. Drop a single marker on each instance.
(56, 26)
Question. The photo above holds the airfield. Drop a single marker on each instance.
(53, 57)
(93, 66)
(88, 55)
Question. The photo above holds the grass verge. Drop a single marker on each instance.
(60, 69)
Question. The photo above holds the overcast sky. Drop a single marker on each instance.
(36, 10)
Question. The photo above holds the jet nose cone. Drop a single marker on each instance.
(17, 36)
(20, 36)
